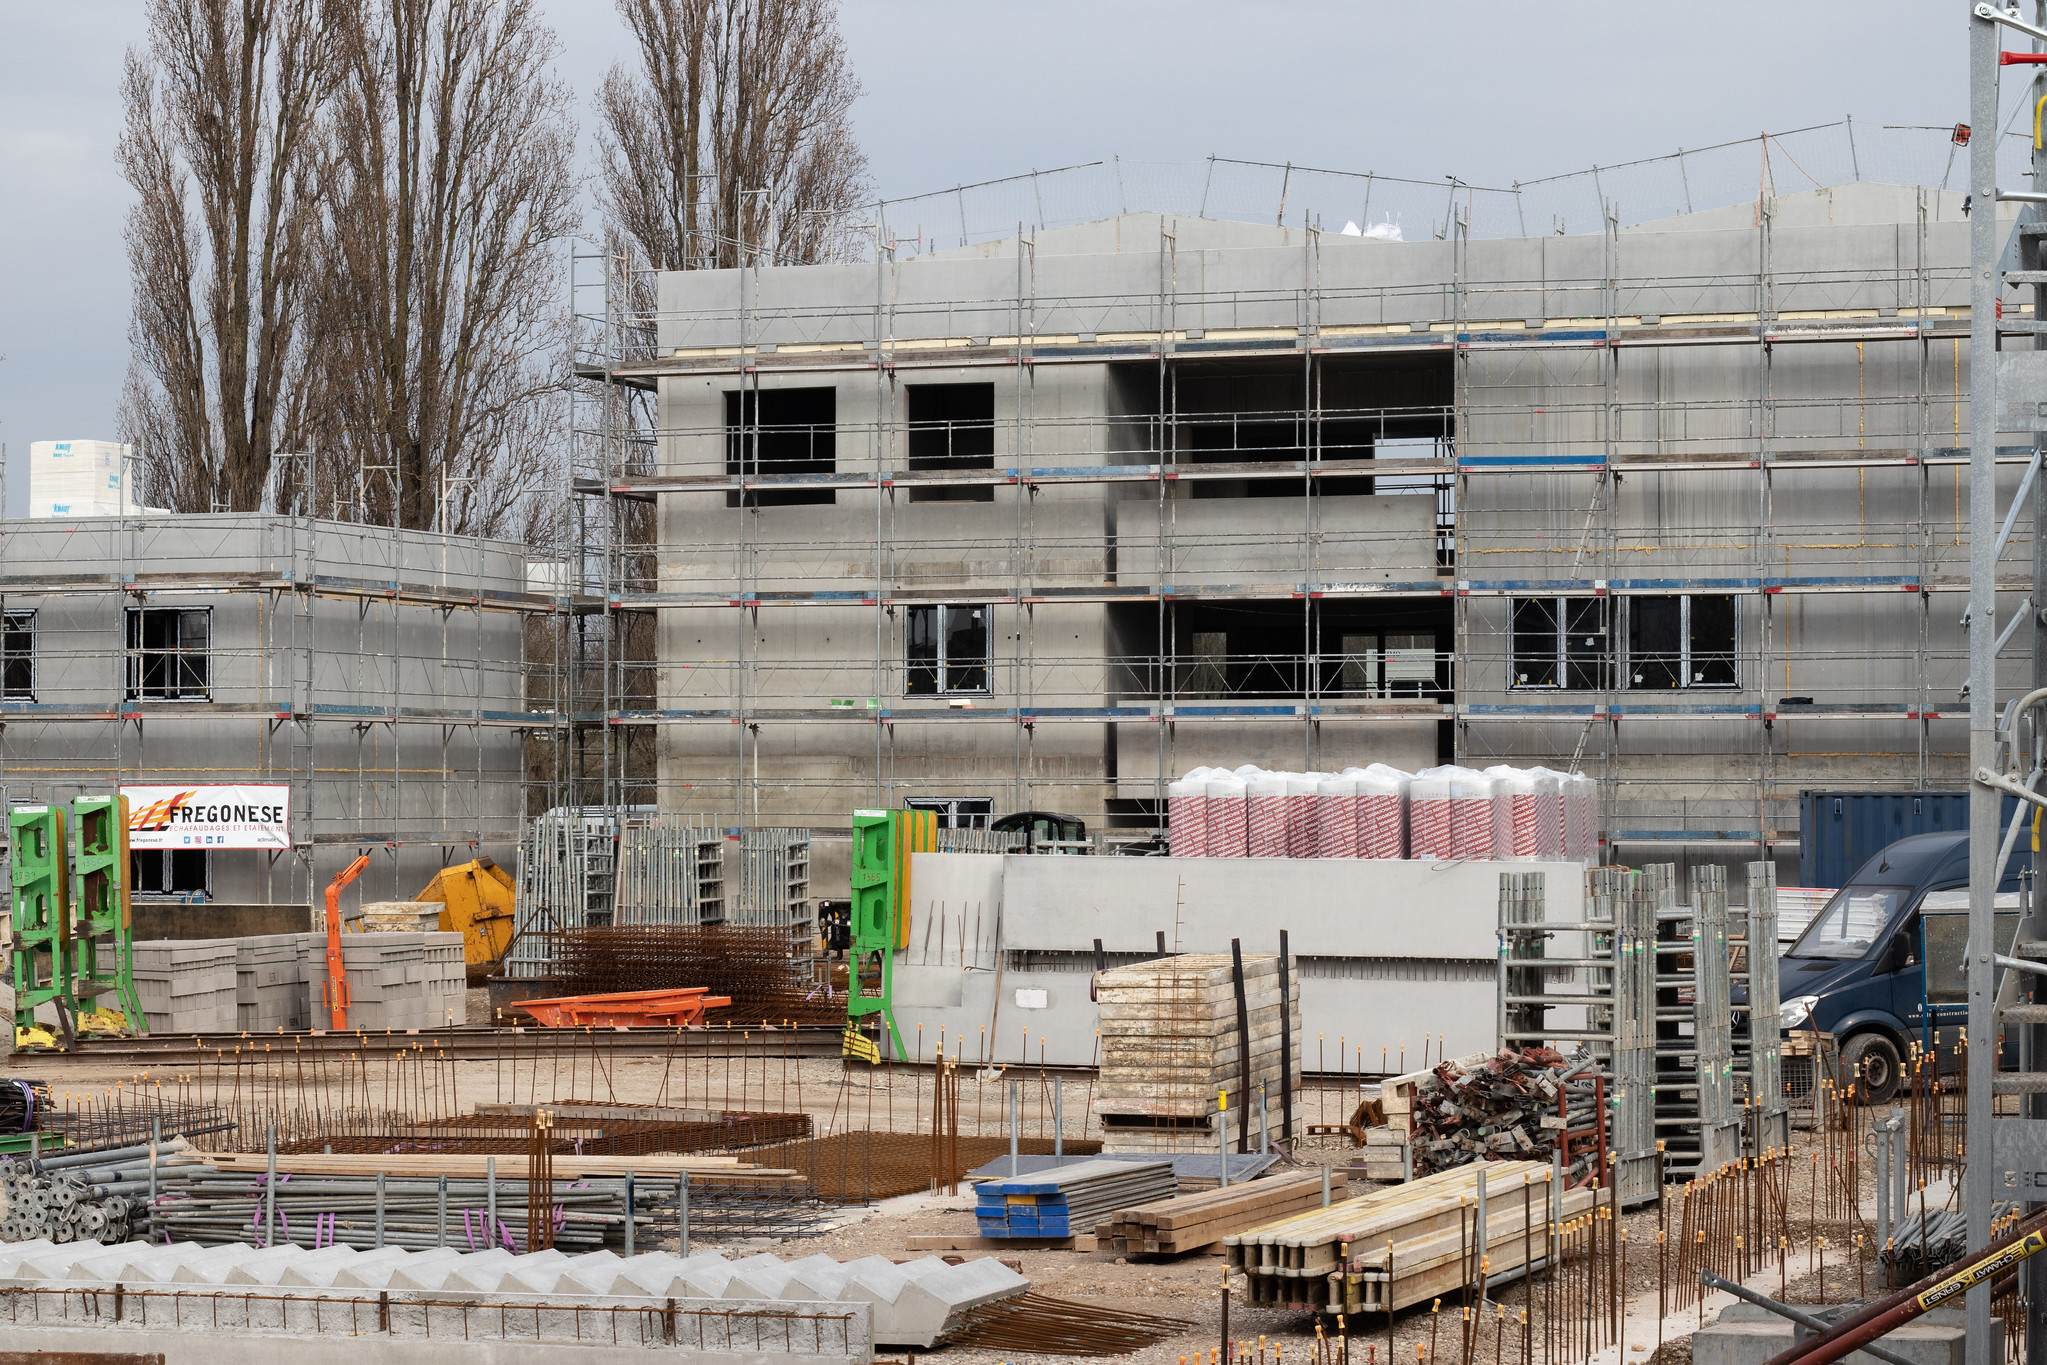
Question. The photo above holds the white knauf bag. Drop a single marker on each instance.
(1428, 814)
(1384, 812)
(1549, 812)
(1336, 815)
(1469, 800)
(1265, 814)
(1224, 830)
(1581, 824)
(1187, 814)
(1516, 790)
(1302, 792)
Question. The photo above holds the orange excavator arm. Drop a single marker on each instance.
(337, 977)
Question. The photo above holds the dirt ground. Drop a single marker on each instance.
(839, 1099)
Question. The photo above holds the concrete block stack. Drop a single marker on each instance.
(186, 985)
(270, 984)
(1172, 1043)
(395, 980)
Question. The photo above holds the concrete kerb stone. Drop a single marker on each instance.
(751, 1329)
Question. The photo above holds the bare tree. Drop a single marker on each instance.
(443, 313)
(732, 142)
(223, 146)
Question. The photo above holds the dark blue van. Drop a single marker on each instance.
(1881, 966)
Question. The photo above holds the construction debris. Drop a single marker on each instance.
(1069, 1199)
(1409, 1243)
(1189, 1222)
(1516, 1105)
(1173, 1040)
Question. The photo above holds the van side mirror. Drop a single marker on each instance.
(1900, 955)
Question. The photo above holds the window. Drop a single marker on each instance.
(957, 812)
(781, 431)
(1679, 641)
(952, 427)
(185, 872)
(1849, 924)
(1562, 642)
(945, 649)
(18, 656)
(1686, 641)
(167, 653)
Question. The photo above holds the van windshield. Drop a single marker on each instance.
(1848, 926)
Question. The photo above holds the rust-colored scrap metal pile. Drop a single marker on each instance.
(1504, 1107)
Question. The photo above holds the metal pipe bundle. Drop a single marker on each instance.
(210, 1206)
(82, 1196)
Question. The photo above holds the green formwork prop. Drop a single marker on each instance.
(102, 920)
(42, 929)
(878, 837)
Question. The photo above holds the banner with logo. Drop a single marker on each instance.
(209, 815)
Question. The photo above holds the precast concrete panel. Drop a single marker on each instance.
(1389, 950)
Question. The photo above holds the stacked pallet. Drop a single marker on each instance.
(1406, 1244)
(1172, 1042)
(1189, 1222)
(1067, 1199)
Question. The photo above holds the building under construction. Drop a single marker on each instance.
(1042, 521)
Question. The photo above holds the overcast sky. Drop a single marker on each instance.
(969, 91)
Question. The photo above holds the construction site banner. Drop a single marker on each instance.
(205, 815)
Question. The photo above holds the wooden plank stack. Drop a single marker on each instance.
(1171, 1043)
(1067, 1199)
(1406, 1243)
(1189, 1222)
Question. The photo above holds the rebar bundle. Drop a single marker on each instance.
(506, 1135)
(1039, 1324)
(751, 965)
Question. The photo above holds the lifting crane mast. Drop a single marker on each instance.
(337, 977)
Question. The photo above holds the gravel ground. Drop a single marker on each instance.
(1187, 1288)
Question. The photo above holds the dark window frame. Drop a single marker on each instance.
(181, 670)
(18, 655)
(157, 873)
(1712, 664)
(931, 667)
(1560, 644)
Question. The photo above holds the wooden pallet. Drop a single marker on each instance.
(1192, 1222)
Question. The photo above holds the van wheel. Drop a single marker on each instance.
(1873, 1059)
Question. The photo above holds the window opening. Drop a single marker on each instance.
(945, 649)
(168, 651)
(951, 428)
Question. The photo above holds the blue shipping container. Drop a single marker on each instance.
(1839, 831)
